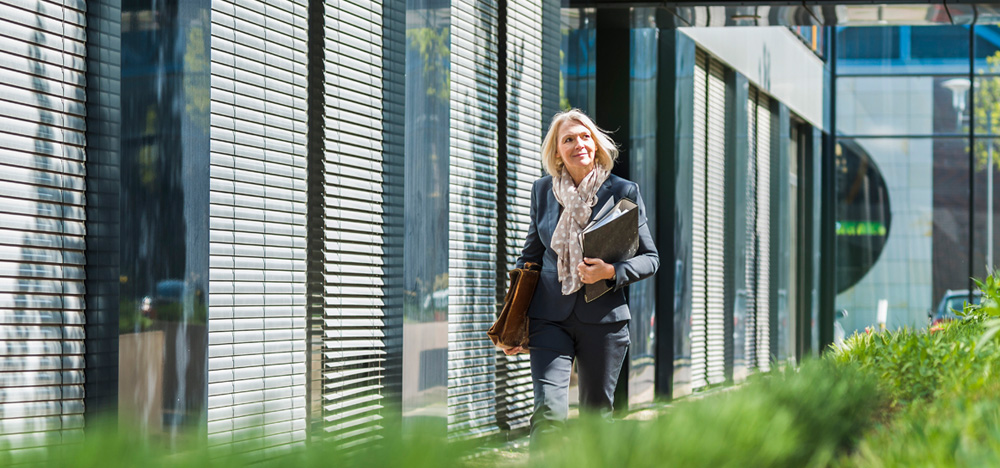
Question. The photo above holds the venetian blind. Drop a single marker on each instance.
(699, 272)
(472, 218)
(715, 187)
(42, 205)
(257, 236)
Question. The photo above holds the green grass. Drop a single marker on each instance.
(106, 447)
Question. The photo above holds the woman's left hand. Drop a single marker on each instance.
(592, 270)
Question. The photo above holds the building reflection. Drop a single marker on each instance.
(426, 208)
(164, 210)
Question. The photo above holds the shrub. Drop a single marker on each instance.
(791, 418)
(988, 310)
(960, 430)
(912, 364)
(943, 384)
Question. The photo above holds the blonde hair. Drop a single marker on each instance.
(605, 151)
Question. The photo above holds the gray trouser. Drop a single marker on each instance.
(599, 350)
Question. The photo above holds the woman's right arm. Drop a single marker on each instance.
(533, 248)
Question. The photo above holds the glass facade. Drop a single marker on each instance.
(913, 184)
(262, 222)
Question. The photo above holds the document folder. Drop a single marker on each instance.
(613, 237)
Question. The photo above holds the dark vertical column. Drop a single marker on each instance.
(503, 192)
(551, 44)
(675, 150)
(103, 180)
(809, 198)
(828, 240)
(611, 112)
(781, 271)
(737, 178)
(972, 163)
(814, 188)
(501, 122)
(393, 121)
(667, 154)
(612, 100)
(315, 218)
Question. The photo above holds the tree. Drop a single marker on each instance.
(987, 114)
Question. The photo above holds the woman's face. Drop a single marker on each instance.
(576, 147)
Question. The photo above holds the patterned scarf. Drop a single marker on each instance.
(577, 203)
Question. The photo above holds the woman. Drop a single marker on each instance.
(578, 157)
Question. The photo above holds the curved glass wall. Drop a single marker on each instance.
(864, 214)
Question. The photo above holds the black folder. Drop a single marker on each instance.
(613, 236)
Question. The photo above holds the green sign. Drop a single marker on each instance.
(861, 228)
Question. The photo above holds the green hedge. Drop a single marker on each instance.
(799, 417)
(915, 364)
(960, 430)
(795, 418)
(943, 387)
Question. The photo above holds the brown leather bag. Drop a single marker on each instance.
(511, 328)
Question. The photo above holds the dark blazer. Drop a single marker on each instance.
(548, 302)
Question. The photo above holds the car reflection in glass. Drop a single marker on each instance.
(951, 304)
(166, 304)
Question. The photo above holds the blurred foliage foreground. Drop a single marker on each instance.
(904, 398)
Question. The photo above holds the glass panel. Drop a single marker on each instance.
(987, 49)
(425, 256)
(578, 60)
(902, 228)
(938, 43)
(986, 96)
(814, 141)
(787, 249)
(986, 156)
(813, 36)
(642, 159)
(902, 50)
(164, 215)
(867, 43)
(987, 176)
(910, 105)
